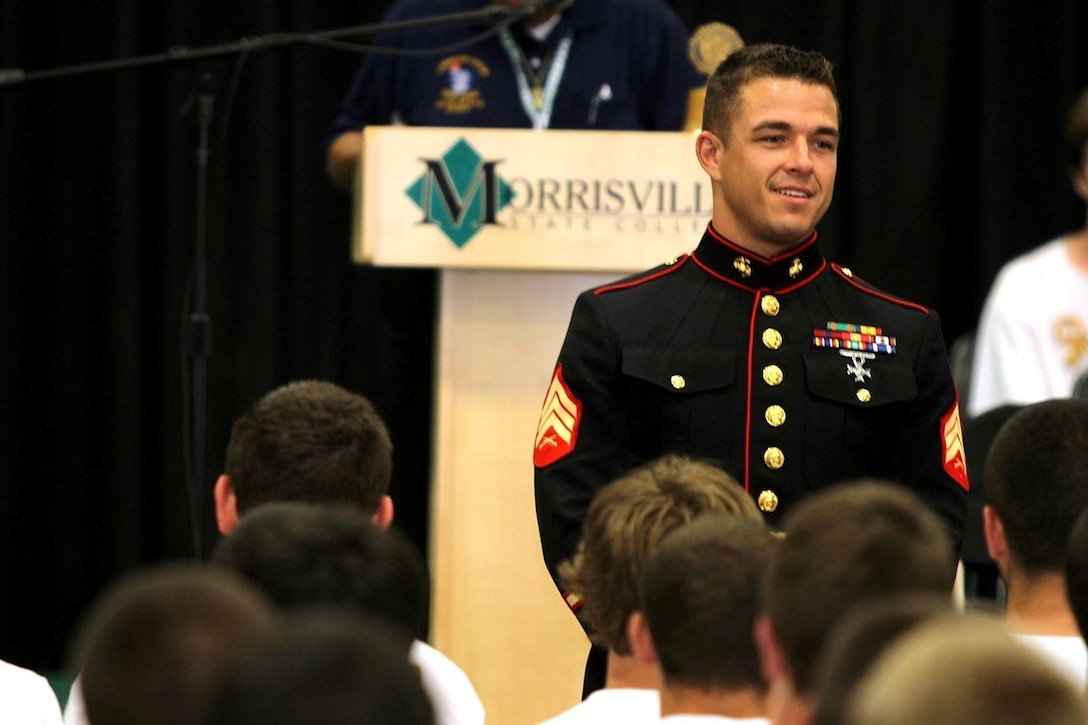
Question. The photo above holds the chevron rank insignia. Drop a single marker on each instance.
(557, 431)
(955, 462)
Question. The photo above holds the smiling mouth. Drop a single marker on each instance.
(793, 193)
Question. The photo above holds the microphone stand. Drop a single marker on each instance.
(199, 321)
(493, 13)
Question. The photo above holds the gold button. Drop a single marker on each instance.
(864, 395)
(775, 415)
(767, 501)
(770, 305)
(772, 338)
(772, 375)
(678, 382)
(743, 267)
(796, 268)
(774, 457)
(847, 272)
(671, 261)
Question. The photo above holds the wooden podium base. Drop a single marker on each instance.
(496, 612)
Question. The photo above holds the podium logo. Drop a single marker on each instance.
(460, 192)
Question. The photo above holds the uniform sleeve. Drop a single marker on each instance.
(928, 450)
(581, 439)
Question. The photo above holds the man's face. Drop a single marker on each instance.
(778, 163)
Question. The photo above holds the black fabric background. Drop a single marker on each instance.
(951, 163)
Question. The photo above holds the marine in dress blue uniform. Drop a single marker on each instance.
(784, 369)
(789, 373)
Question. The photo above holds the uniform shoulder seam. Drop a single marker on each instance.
(644, 277)
(861, 285)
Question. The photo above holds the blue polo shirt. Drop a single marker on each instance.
(627, 68)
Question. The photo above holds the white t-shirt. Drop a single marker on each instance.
(452, 695)
(613, 705)
(26, 698)
(1068, 654)
(1032, 337)
(454, 698)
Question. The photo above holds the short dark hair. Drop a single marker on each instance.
(1037, 480)
(312, 441)
(322, 667)
(964, 669)
(305, 554)
(752, 62)
(700, 593)
(626, 520)
(845, 544)
(1076, 573)
(1076, 131)
(859, 639)
(149, 646)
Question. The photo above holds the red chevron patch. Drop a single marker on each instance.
(557, 431)
(955, 462)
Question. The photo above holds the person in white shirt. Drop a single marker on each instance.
(26, 698)
(626, 520)
(315, 442)
(853, 542)
(698, 600)
(1031, 343)
(150, 645)
(1036, 485)
(963, 669)
(304, 554)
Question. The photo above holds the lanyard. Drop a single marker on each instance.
(538, 100)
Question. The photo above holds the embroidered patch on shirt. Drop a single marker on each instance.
(847, 336)
(557, 431)
(462, 74)
(955, 462)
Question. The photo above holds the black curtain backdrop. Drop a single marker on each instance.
(951, 163)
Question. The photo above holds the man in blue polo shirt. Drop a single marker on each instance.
(606, 64)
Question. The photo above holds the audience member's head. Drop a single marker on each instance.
(1076, 140)
(306, 554)
(324, 666)
(859, 639)
(845, 544)
(963, 670)
(698, 599)
(150, 644)
(1036, 486)
(1076, 573)
(626, 520)
(307, 441)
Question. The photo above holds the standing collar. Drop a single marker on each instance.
(735, 264)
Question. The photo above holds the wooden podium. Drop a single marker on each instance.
(519, 222)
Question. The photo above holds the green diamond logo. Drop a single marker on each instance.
(460, 192)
